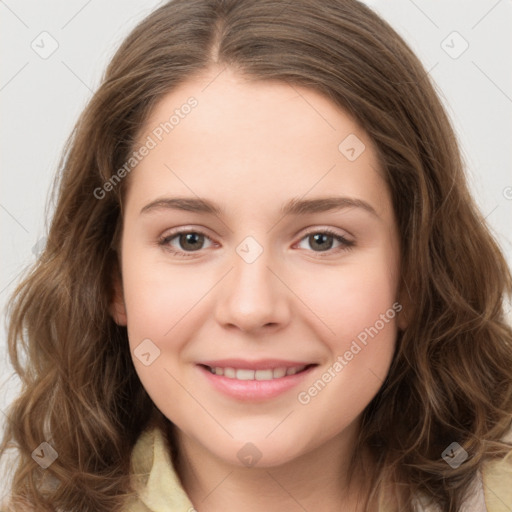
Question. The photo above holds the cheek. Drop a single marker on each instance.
(359, 306)
(157, 298)
(361, 350)
(351, 298)
(159, 303)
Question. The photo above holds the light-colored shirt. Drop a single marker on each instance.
(159, 488)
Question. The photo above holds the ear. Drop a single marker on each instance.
(404, 300)
(402, 320)
(117, 306)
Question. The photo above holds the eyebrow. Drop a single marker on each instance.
(295, 206)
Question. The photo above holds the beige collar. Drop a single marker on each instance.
(154, 476)
(160, 490)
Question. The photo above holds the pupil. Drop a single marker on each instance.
(320, 239)
(191, 239)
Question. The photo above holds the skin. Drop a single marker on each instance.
(250, 148)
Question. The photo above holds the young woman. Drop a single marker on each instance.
(266, 286)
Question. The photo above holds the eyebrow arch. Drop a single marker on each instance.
(295, 206)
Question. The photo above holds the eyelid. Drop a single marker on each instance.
(311, 230)
(346, 243)
(164, 240)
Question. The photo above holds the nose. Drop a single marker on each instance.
(253, 297)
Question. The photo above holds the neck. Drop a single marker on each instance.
(317, 480)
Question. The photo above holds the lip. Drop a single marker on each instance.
(261, 364)
(254, 390)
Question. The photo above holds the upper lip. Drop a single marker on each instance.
(262, 364)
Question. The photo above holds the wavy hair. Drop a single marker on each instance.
(451, 376)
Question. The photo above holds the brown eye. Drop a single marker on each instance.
(191, 241)
(324, 240)
(184, 243)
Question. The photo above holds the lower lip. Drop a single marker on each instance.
(254, 390)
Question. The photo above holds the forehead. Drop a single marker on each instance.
(253, 110)
(221, 135)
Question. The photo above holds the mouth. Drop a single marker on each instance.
(250, 374)
(254, 382)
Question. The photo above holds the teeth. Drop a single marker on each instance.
(243, 374)
(264, 374)
(228, 372)
(279, 372)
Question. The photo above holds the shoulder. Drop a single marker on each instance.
(491, 490)
(497, 483)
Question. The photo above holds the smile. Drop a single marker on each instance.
(254, 381)
(247, 374)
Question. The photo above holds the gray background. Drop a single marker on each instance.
(42, 95)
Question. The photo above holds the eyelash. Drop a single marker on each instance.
(164, 242)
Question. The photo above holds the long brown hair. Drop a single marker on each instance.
(451, 377)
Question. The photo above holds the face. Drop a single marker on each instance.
(259, 262)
